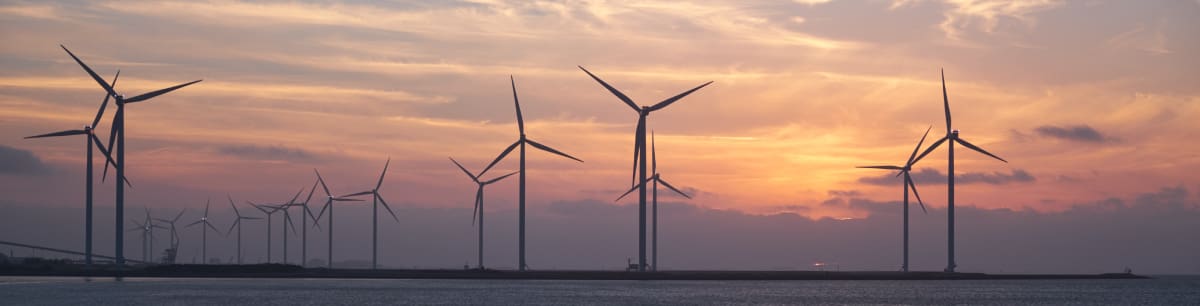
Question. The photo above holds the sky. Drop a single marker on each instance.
(1091, 102)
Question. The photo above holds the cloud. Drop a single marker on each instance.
(933, 176)
(14, 161)
(986, 15)
(271, 152)
(1081, 133)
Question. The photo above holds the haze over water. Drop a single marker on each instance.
(135, 291)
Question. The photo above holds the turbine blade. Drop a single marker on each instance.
(977, 149)
(89, 70)
(614, 91)
(637, 148)
(231, 226)
(946, 101)
(653, 155)
(464, 170)
(112, 136)
(323, 207)
(676, 190)
(59, 133)
(295, 197)
(310, 194)
(214, 228)
(498, 158)
(107, 154)
(543, 147)
(385, 168)
(908, 180)
(918, 148)
(357, 194)
(179, 215)
(235, 210)
(882, 167)
(152, 94)
(322, 181)
(100, 113)
(475, 211)
(288, 218)
(500, 178)
(517, 103)
(347, 200)
(670, 100)
(193, 223)
(930, 149)
(207, 203)
(386, 206)
(635, 187)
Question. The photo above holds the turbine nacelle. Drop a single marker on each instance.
(954, 131)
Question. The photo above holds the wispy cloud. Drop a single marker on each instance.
(986, 15)
(269, 152)
(1081, 133)
(933, 176)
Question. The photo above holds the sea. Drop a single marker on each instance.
(1162, 290)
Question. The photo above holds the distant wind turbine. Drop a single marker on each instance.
(304, 225)
(237, 222)
(92, 141)
(521, 142)
(639, 147)
(376, 199)
(171, 227)
(147, 227)
(656, 178)
(204, 227)
(118, 133)
(908, 184)
(952, 137)
(329, 200)
(478, 210)
(266, 210)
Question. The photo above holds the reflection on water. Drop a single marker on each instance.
(166, 291)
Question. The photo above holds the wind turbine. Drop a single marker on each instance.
(951, 137)
(656, 178)
(92, 141)
(267, 210)
(639, 147)
(521, 142)
(147, 227)
(304, 226)
(238, 223)
(174, 233)
(908, 184)
(479, 203)
(287, 218)
(329, 199)
(375, 200)
(118, 133)
(204, 227)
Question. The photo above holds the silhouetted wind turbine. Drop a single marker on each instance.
(375, 200)
(656, 178)
(267, 210)
(147, 228)
(118, 133)
(238, 223)
(521, 142)
(908, 184)
(329, 205)
(952, 137)
(287, 218)
(92, 141)
(478, 210)
(639, 147)
(304, 226)
(174, 233)
(204, 227)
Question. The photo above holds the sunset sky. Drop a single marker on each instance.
(1087, 100)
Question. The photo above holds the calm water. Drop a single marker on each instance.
(151, 291)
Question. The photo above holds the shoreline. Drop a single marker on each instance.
(291, 271)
